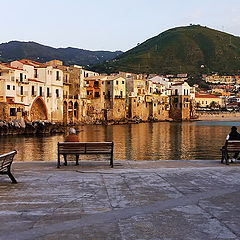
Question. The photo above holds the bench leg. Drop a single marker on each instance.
(77, 158)
(65, 160)
(227, 158)
(58, 163)
(12, 177)
(111, 161)
(222, 159)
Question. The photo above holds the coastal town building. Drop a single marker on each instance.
(180, 101)
(115, 98)
(41, 90)
(74, 94)
(71, 94)
(209, 101)
(217, 79)
(95, 92)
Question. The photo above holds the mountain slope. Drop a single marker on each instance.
(184, 49)
(17, 50)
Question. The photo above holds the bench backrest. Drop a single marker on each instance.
(85, 147)
(6, 160)
(233, 145)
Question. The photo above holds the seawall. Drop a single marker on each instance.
(218, 116)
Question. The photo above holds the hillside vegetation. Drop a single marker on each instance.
(191, 49)
(18, 50)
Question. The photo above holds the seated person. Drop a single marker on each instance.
(72, 137)
(233, 135)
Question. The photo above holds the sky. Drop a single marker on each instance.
(110, 24)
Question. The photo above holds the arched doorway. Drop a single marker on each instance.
(38, 110)
(65, 112)
(76, 108)
(70, 112)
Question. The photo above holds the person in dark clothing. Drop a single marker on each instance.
(233, 135)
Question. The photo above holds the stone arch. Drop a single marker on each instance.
(76, 110)
(38, 110)
(65, 112)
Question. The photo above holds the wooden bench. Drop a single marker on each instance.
(84, 148)
(5, 164)
(232, 146)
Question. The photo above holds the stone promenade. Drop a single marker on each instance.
(133, 201)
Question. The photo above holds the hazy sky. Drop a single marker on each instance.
(109, 24)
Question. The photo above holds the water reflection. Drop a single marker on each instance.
(146, 141)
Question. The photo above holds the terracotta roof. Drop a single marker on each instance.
(32, 63)
(177, 84)
(205, 96)
(94, 78)
(34, 80)
(8, 66)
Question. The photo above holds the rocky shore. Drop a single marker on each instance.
(18, 127)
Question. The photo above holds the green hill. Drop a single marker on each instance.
(191, 49)
(18, 50)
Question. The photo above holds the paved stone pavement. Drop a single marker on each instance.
(133, 201)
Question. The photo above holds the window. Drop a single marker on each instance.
(13, 87)
(48, 92)
(8, 87)
(123, 82)
(40, 91)
(108, 82)
(13, 112)
(57, 93)
(175, 100)
(97, 94)
(35, 73)
(176, 92)
(57, 75)
(21, 77)
(21, 90)
(121, 94)
(117, 82)
(32, 90)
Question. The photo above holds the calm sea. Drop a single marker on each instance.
(145, 141)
